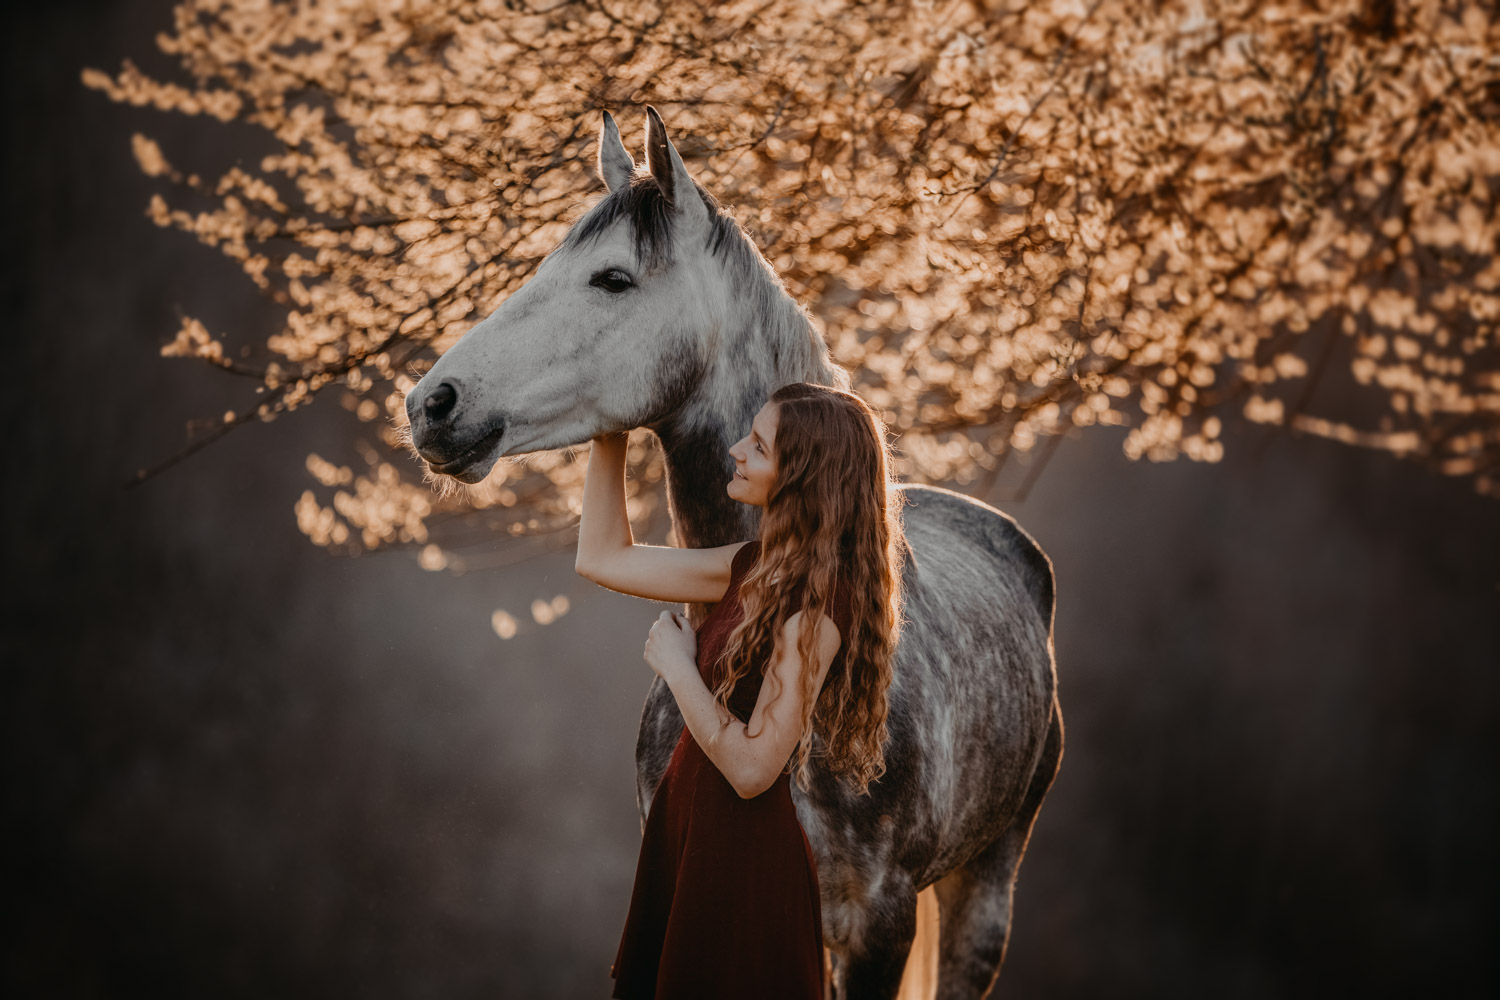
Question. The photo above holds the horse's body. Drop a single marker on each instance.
(691, 346)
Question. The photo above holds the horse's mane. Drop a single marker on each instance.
(758, 288)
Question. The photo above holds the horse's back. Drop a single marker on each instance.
(957, 533)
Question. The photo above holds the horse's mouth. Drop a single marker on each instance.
(476, 453)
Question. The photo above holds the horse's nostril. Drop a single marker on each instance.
(440, 401)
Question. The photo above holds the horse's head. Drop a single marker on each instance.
(613, 331)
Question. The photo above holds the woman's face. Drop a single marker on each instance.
(755, 459)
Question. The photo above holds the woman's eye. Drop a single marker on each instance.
(612, 280)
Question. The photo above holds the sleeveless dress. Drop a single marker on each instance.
(725, 903)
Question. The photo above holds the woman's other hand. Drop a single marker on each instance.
(671, 646)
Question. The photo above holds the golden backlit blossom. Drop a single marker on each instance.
(547, 612)
(193, 341)
(1009, 219)
(318, 523)
(329, 474)
(503, 624)
(385, 508)
(149, 157)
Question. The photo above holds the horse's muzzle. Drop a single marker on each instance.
(451, 460)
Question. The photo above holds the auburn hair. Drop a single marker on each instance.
(831, 515)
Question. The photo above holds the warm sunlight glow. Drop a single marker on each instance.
(1009, 219)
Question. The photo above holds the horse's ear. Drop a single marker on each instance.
(615, 164)
(670, 172)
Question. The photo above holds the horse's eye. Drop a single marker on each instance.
(612, 280)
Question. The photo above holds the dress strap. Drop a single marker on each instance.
(744, 557)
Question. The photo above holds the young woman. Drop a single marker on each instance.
(725, 903)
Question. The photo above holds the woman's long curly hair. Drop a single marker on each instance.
(831, 513)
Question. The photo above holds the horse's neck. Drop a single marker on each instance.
(764, 342)
(698, 471)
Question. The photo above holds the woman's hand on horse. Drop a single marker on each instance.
(671, 646)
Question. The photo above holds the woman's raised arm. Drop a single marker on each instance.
(609, 555)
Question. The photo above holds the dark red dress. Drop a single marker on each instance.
(725, 903)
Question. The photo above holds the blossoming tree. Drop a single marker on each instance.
(1009, 218)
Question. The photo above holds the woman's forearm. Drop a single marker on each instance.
(604, 525)
(721, 736)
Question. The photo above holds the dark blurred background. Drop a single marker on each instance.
(237, 766)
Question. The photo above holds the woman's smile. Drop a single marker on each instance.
(754, 461)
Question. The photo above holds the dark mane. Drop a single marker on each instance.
(642, 204)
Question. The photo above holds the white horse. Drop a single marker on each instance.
(658, 311)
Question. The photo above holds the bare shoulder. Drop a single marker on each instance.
(787, 665)
(830, 638)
